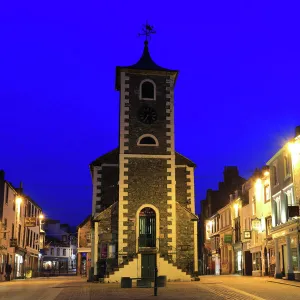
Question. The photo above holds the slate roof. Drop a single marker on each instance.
(112, 157)
(145, 63)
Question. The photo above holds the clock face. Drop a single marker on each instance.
(147, 114)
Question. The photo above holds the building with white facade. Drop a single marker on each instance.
(285, 197)
(60, 250)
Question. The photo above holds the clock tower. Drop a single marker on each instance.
(156, 222)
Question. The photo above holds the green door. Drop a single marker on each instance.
(147, 228)
(148, 265)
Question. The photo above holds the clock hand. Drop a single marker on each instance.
(145, 118)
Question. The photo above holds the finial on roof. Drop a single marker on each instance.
(147, 30)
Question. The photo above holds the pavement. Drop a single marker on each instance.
(210, 288)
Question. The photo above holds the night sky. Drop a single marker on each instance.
(236, 98)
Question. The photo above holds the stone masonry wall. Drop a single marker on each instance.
(185, 238)
(137, 128)
(85, 235)
(109, 185)
(147, 183)
(181, 186)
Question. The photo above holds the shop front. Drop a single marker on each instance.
(216, 262)
(247, 259)
(238, 258)
(19, 266)
(286, 248)
(256, 261)
(226, 253)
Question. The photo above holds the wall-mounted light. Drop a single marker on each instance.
(19, 200)
(294, 149)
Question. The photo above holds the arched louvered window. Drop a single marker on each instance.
(147, 90)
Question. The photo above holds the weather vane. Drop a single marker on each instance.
(147, 31)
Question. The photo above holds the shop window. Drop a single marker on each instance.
(256, 261)
(294, 259)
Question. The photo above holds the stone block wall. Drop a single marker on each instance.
(185, 238)
(147, 184)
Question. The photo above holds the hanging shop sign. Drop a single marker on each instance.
(247, 235)
(256, 224)
(30, 221)
(228, 238)
(13, 243)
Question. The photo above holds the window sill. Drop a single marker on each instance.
(147, 99)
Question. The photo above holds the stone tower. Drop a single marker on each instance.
(153, 221)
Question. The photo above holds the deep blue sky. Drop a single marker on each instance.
(236, 98)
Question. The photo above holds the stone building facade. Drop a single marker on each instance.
(84, 230)
(143, 191)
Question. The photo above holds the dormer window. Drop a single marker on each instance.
(147, 140)
(147, 90)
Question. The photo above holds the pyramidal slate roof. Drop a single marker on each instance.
(112, 157)
(145, 63)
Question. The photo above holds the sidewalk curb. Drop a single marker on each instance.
(283, 283)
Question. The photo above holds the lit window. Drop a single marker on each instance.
(267, 193)
(287, 169)
(147, 140)
(147, 90)
(254, 206)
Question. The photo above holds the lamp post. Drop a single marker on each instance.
(41, 217)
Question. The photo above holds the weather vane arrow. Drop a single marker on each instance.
(147, 31)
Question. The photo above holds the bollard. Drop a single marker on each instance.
(155, 282)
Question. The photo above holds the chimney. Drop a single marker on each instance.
(21, 187)
(297, 131)
(2, 175)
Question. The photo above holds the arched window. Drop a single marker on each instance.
(147, 140)
(147, 90)
(147, 227)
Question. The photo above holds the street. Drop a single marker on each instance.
(209, 287)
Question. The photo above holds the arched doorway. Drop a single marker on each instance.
(147, 227)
